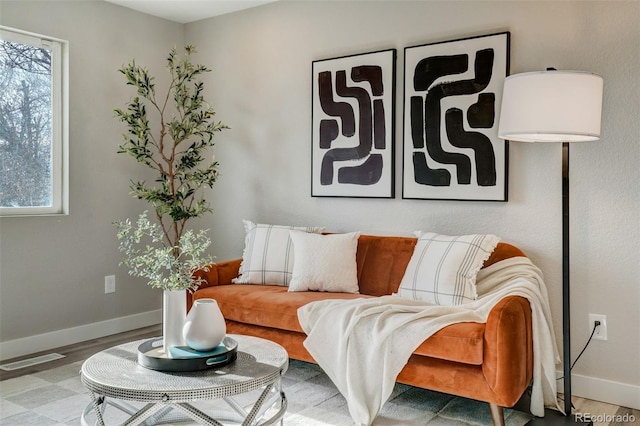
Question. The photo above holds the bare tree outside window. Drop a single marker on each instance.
(34, 130)
(25, 125)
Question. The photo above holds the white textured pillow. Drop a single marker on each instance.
(325, 262)
(443, 269)
(268, 254)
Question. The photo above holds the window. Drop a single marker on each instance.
(33, 124)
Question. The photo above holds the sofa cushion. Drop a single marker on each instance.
(268, 305)
(276, 308)
(324, 262)
(382, 262)
(268, 254)
(443, 268)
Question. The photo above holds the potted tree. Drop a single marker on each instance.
(175, 146)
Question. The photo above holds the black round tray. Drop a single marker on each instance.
(151, 355)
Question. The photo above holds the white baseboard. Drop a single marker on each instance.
(55, 339)
(623, 394)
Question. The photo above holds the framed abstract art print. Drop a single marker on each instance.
(452, 97)
(353, 126)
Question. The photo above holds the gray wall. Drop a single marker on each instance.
(52, 269)
(261, 85)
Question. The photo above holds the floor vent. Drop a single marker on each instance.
(31, 361)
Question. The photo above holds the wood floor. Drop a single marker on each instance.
(79, 351)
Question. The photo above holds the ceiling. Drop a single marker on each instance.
(185, 11)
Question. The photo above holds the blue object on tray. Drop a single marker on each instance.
(187, 352)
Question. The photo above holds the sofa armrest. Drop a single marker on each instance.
(508, 349)
(218, 273)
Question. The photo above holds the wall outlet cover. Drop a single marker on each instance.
(601, 330)
(110, 284)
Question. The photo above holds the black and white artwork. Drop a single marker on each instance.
(353, 126)
(452, 97)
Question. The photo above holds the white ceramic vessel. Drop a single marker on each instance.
(204, 327)
(174, 311)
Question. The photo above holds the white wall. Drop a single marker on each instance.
(261, 87)
(52, 268)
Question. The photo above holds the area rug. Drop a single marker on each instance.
(57, 397)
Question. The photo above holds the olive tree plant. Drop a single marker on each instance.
(172, 134)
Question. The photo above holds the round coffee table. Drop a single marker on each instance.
(114, 376)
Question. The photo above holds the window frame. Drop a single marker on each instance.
(59, 122)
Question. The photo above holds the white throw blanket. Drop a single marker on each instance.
(363, 344)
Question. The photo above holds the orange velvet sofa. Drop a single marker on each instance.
(491, 362)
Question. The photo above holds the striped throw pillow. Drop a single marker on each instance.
(268, 254)
(443, 269)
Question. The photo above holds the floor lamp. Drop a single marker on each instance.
(554, 106)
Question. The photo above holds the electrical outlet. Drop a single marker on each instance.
(601, 330)
(109, 284)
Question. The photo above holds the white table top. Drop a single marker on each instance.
(115, 372)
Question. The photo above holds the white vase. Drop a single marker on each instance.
(174, 311)
(204, 327)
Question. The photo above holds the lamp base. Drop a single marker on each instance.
(551, 417)
(556, 418)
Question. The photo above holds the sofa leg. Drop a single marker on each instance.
(497, 415)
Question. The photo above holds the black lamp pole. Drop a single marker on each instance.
(566, 317)
(555, 418)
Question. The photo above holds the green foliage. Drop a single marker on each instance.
(167, 254)
(177, 152)
(148, 256)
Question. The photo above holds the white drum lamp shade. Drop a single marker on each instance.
(551, 106)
